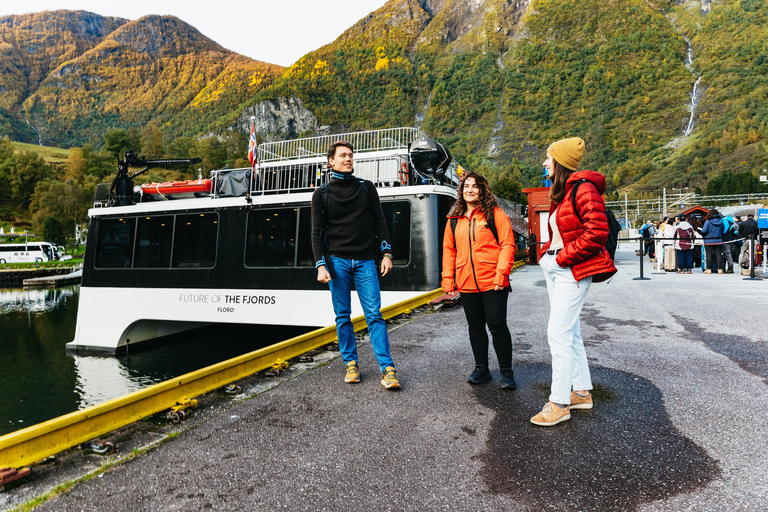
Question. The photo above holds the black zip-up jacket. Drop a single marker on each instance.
(749, 227)
(355, 221)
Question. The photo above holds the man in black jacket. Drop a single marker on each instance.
(748, 228)
(347, 219)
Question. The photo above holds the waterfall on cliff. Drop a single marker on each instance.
(420, 114)
(695, 93)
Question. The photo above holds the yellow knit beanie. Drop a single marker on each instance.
(567, 152)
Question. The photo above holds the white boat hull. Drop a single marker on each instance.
(113, 318)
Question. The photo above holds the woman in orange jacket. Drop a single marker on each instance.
(477, 263)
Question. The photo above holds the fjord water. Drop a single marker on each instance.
(40, 381)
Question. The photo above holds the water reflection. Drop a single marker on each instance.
(40, 381)
(32, 301)
(37, 379)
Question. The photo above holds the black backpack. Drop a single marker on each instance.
(613, 225)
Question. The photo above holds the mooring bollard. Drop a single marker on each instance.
(752, 247)
(642, 255)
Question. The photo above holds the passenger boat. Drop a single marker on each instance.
(242, 253)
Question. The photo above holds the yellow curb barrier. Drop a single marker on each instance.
(26, 446)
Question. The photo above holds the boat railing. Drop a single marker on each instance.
(101, 196)
(364, 142)
(383, 171)
(515, 213)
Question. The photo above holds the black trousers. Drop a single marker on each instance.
(488, 308)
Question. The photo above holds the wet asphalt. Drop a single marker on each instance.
(680, 367)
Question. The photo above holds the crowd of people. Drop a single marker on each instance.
(714, 243)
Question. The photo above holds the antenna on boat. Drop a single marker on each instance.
(121, 191)
(429, 159)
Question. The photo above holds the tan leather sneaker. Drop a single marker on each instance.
(581, 402)
(550, 415)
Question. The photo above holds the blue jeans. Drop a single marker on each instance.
(684, 259)
(363, 274)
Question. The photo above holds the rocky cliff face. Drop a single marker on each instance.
(279, 118)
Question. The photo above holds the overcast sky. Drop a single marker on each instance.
(276, 31)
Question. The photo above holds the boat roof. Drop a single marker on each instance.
(299, 166)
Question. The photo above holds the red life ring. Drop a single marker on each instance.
(403, 175)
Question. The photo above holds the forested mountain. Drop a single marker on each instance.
(106, 73)
(496, 80)
(33, 45)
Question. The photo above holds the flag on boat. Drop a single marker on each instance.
(253, 147)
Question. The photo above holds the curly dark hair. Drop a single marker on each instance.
(487, 201)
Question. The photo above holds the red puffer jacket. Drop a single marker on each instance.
(583, 243)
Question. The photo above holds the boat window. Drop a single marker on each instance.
(271, 238)
(114, 244)
(154, 236)
(194, 240)
(398, 217)
(305, 256)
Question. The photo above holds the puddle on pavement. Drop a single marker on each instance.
(623, 453)
(750, 356)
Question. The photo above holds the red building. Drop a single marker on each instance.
(538, 215)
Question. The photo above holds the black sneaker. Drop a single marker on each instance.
(480, 375)
(508, 379)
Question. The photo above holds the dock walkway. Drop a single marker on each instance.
(680, 366)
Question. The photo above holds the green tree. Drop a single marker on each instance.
(67, 201)
(183, 147)
(53, 231)
(116, 142)
(75, 166)
(509, 188)
(134, 138)
(237, 147)
(6, 154)
(100, 165)
(213, 152)
(152, 142)
(23, 172)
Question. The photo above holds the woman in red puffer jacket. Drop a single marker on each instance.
(572, 260)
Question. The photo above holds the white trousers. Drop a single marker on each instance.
(570, 369)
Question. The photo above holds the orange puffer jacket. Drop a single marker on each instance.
(473, 262)
(583, 242)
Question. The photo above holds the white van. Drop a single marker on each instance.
(30, 252)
